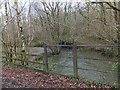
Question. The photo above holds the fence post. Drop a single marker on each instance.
(75, 66)
(26, 58)
(45, 59)
(118, 46)
(10, 54)
(22, 58)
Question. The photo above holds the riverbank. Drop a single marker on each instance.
(106, 51)
(16, 77)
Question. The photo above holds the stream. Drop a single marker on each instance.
(65, 58)
(98, 68)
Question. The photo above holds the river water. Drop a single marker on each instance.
(95, 66)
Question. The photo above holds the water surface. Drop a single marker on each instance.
(98, 68)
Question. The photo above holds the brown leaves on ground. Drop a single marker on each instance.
(16, 77)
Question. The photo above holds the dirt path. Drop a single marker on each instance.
(15, 77)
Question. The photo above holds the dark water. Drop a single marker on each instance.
(65, 59)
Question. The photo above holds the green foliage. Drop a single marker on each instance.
(39, 58)
(52, 66)
(108, 51)
(114, 65)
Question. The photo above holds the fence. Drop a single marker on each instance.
(45, 62)
(74, 49)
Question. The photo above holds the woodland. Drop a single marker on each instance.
(36, 23)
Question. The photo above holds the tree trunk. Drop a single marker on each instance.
(20, 29)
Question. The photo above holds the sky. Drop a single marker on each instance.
(26, 2)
